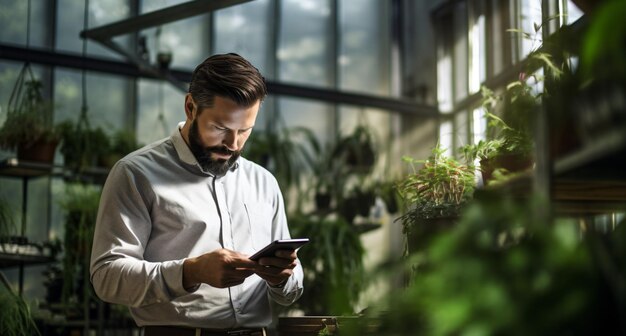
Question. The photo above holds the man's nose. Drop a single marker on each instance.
(231, 141)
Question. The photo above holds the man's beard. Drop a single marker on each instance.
(217, 167)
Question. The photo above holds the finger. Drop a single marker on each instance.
(286, 254)
(278, 262)
(243, 263)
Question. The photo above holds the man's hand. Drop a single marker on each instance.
(278, 269)
(221, 268)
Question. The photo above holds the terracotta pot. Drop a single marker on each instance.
(41, 151)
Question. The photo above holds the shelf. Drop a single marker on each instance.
(598, 156)
(23, 254)
(20, 168)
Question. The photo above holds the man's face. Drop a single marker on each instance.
(217, 134)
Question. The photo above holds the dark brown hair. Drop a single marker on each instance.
(227, 75)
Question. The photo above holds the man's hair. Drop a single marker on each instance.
(229, 76)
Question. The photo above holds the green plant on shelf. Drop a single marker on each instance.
(16, 318)
(436, 189)
(81, 144)
(29, 118)
(80, 205)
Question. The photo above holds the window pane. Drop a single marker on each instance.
(364, 51)
(445, 136)
(304, 42)
(478, 41)
(573, 12)
(15, 20)
(444, 63)
(244, 29)
(109, 110)
(160, 110)
(186, 40)
(460, 52)
(70, 20)
(530, 17)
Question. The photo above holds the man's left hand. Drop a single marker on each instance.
(275, 270)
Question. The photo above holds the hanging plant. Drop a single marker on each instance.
(29, 121)
(82, 145)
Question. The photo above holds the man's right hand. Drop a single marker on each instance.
(221, 268)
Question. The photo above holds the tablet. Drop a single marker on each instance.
(281, 244)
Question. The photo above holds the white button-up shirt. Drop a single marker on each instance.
(159, 207)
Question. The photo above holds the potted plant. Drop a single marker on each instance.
(333, 263)
(80, 206)
(120, 144)
(434, 195)
(28, 127)
(356, 150)
(509, 146)
(82, 145)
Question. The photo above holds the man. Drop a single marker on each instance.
(179, 218)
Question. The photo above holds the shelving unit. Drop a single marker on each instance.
(587, 180)
(21, 253)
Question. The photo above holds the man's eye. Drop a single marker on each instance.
(221, 129)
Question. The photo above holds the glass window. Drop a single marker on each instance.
(16, 20)
(461, 130)
(160, 110)
(573, 12)
(446, 135)
(364, 44)
(530, 23)
(186, 40)
(477, 45)
(444, 63)
(244, 29)
(109, 110)
(70, 23)
(304, 42)
(460, 58)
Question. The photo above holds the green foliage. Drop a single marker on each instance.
(29, 115)
(519, 105)
(16, 318)
(438, 188)
(604, 43)
(356, 151)
(280, 152)
(510, 268)
(80, 205)
(333, 265)
(81, 145)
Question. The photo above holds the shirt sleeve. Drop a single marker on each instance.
(119, 273)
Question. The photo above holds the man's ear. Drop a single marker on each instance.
(189, 107)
